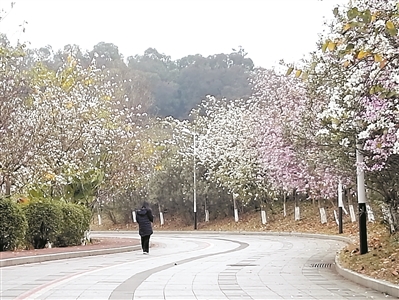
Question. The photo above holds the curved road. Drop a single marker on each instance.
(193, 266)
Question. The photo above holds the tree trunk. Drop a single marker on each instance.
(8, 184)
(206, 210)
(284, 205)
(263, 209)
(350, 204)
(235, 208)
(297, 212)
(161, 219)
(322, 210)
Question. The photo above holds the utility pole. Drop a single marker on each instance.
(340, 205)
(195, 186)
(361, 199)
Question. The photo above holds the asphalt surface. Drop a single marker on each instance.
(194, 266)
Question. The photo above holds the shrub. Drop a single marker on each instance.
(75, 221)
(13, 225)
(44, 222)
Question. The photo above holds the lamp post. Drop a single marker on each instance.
(195, 185)
(340, 206)
(361, 195)
(194, 178)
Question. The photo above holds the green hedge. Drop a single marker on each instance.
(75, 221)
(45, 219)
(13, 225)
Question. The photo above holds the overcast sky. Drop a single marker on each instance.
(269, 30)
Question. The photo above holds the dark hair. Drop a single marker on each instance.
(145, 205)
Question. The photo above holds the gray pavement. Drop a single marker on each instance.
(194, 266)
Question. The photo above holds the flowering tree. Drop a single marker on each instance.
(355, 69)
(292, 156)
(265, 144)
(226, 146)
(72, 106)
(63, 132)
(16, 124)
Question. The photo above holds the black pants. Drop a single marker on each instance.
(145, 243)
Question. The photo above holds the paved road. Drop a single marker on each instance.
(193, 266)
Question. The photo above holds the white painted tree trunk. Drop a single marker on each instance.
(323, 216)
(297, 213)
(340, 199)
(206, 215)
(236, 214)
(263, 217)
(161, 218)
(388, 217)
(352, 213)
(370, 214)
(99, 219)
(336, 217)
(134, 216)
(235, 208)
(86, 238)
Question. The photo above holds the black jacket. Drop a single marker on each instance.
(144, 217)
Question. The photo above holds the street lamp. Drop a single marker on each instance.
(361, 196)
(185, 130)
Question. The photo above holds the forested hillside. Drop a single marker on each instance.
(164, 87)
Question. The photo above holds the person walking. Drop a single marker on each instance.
(145, 218)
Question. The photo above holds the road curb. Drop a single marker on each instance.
(375, 284)
(7, 262)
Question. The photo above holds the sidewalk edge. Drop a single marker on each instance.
(65, 255)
